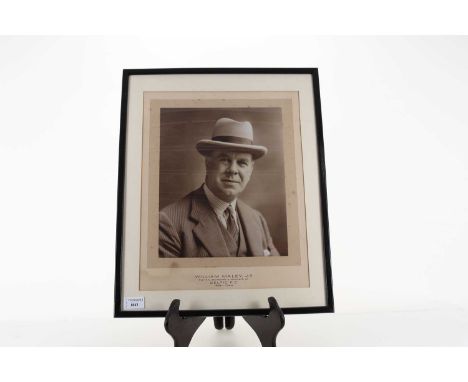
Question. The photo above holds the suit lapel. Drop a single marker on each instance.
(252, 233)
(207, 229)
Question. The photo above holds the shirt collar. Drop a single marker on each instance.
(218, 205)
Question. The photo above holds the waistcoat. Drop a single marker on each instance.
(238, 248)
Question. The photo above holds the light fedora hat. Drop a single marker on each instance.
(231, 135)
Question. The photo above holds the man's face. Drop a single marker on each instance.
(227, 173)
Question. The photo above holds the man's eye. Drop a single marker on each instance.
(243, 164)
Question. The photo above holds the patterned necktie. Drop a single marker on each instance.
(231, 222)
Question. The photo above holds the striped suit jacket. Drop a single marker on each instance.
(190, 228)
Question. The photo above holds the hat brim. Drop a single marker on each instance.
(206, 146)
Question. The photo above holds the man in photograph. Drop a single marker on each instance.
(211, 221)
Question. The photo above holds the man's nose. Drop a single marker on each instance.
(233, 168)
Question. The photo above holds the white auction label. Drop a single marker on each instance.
(134, 303)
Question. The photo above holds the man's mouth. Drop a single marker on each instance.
(229, 181)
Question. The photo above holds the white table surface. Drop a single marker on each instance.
(416, 328)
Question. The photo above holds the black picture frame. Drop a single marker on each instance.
(313, 72)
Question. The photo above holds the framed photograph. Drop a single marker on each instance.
(222, 198)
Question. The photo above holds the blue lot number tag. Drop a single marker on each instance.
(134, 303)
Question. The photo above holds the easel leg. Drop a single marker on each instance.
(268, 327)
(180, 328)
(218, 322)
(229, 322)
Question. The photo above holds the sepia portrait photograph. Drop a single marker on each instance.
(216, 191)
(236, 201)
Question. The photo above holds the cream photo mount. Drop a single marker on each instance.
(164, 113)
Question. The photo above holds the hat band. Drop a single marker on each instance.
(230, 139)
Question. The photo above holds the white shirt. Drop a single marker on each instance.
(219, 206)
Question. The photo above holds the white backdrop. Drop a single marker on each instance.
(396, 134)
